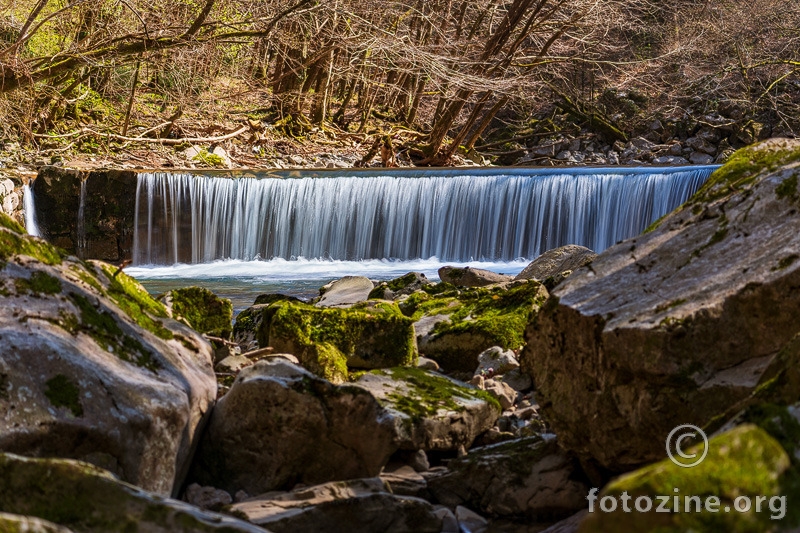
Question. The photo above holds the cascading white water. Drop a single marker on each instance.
(30, 211)
(454, 215)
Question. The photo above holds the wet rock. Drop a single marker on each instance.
(553, 262)
(470, 522)
(91, 367)
(87, 499)
(345, 292)
(471, 277)
(530, 478)
(430, 411)
(280, 425)
(362, 505)
(247, 328)
(691, 313)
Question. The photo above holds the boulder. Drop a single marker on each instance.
(206, 497)
(430, 411)
(471, 277)
(502, 392)
(201, 309)
(568, 525)
(454, 327)
(391, 290)
(345, 292)
(280, 425)
(247, 327)
(556, 261)
(356, 506)
(742, 465)
(529, 478)
(329, 342)
(700, 158)
(87, 499)
(691, 313)
(12, 523)
(91, 368)
(495, 361)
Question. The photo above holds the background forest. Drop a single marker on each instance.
(437, 78)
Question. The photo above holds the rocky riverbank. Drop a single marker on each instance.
(479, 403)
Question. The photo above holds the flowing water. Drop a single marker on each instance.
(294, 231)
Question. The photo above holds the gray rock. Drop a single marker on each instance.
(670, 160)
(88, 499)
(529, 478)
(564, 155)
(449, 520)
(427, 364)
(233, 363)
(345, 292)
(356, 506)
(613, 157)
(553, 262)
(470, 522)
(545, 150)
(471, 277)
(206, 497)
(691, 313)
(280, 425)
(675, 149)
(496, 359)
(82, 379)
(502, 392)
(517, 380)
(699, 158)
(404, 285)
(405, 481)
(709, 135)
(430, 411)
(296, 160)
(220, 152)
(701, 145)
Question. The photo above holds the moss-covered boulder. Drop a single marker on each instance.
(679, 324)
(529, 479)
(92, 368)
(280, 425)
(329, 342)
(746, 476)
(430, 411)
(454, 326)
(87, 499)
(402, 286)
(201, 309)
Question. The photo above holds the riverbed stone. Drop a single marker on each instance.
(454, 327)
(280, 425)
(471, 277)
(355, 506)
(529, 478)
(201, 309)
(557, 260)
(88, 499)
(404, 285)
(92, 368)
(429, 411)
(345, 292)
(679, 324)
(496, 361)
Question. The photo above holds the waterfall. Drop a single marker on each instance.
(81, 230)
(30, 211)
(454, 214)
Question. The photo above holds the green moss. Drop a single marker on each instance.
(102, 327)
(371, 335)
(203, 310)
(209, 159)
(84, 275)
(64, 393)
(136, 302)
(429, 393)
(9, 223)
(788, 188)
(670, 305)
(39, 283)
(744, 461)
(12, 244)
(742, 169)
(786, 262)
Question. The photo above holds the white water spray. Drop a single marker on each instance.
(30, 211)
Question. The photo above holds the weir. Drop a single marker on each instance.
(451, 214)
